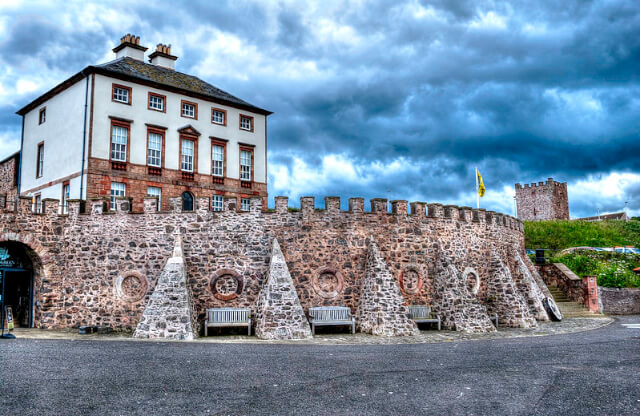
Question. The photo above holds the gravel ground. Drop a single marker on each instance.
(580, 373)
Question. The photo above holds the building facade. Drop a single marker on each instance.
(542, 201)
(137, 129)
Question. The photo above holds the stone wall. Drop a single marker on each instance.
(542, 201)
(559, 275)
(616, 301)
(100, 268)
(8, 179)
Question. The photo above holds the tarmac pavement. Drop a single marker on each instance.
(586, 373)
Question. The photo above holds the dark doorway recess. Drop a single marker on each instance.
(187, 201)
(17, 283)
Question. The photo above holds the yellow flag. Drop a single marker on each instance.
(481, 188)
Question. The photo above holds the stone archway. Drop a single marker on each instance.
(22, 271)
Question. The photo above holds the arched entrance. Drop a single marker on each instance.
(17, 282)
(187, 201)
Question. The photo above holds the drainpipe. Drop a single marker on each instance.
(20, 160)
(84, 133)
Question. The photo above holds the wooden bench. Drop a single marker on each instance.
(225, 317)
(422, 314)
(331, 315)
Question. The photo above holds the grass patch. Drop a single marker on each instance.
(565, 234)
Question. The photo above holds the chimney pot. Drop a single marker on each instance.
(130, 47)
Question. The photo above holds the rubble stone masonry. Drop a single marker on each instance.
(101, 268)
(542, 201)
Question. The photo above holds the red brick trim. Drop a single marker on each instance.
(48, 184)
(195, 109)
(223, 112)
(38, 172)
(122, 123)
(161, 132)
(240, 122)
(113, 89)
(164, 102)
(43, 111)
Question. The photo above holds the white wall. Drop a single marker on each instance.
(62, 134)
(172, 120)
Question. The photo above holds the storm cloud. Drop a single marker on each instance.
(384, 98)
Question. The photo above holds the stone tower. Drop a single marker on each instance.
(542, 201)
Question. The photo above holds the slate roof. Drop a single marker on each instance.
(134, 69)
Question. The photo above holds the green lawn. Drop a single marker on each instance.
(565, 234)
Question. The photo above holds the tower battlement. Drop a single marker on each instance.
(542, 201)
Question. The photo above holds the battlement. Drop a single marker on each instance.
(542, 201)
(378, 207)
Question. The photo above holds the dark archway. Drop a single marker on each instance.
(17, 282)
(187, 201)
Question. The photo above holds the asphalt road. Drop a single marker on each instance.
(596, 372)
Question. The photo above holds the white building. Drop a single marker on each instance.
(133, 128)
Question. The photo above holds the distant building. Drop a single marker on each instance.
(137, 129)
(604, 217)
(542, 201)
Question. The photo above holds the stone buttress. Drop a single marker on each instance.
(457, 306)
(504, 298)
(279, 313)
(530, 289)
(169, 313)
(382, 309)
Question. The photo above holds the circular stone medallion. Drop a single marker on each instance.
(226, 284)
(472, 280)
(411, 280)
(327, 282)
(131, 286)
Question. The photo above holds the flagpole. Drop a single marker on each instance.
(477, 193)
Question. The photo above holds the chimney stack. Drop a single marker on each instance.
(130, 47)
(162, 57)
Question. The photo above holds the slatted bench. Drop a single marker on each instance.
(227, 317)
(331, 315)
(422, 314)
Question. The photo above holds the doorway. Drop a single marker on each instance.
(16, 283)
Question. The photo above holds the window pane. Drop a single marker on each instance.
(119, 143)
(155, 102)
(245, 204)
(121, 94)
(245, 165)
(217, 161)
(216, 203)
(117, 189)
(188, 110)
(154, 152)
(187, 155)
(217, 117)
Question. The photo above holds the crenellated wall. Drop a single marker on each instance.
(100, 267)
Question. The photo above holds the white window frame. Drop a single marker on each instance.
(245, 165)
(217, 117)
(246, 123)
(154, 150)
(189, 113)
(121, 95)
(156, 102)
(151, 191)
(40, 157)
(116, 190)
(37, 204)
(217, 203)
(66, 191)
(245, 204)
(217, 160)
(118, 148)
(186, 162)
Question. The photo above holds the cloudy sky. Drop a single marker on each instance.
(391, 99)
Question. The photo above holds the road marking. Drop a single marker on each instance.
(631, 326)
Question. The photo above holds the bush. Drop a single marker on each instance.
(611, 269)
